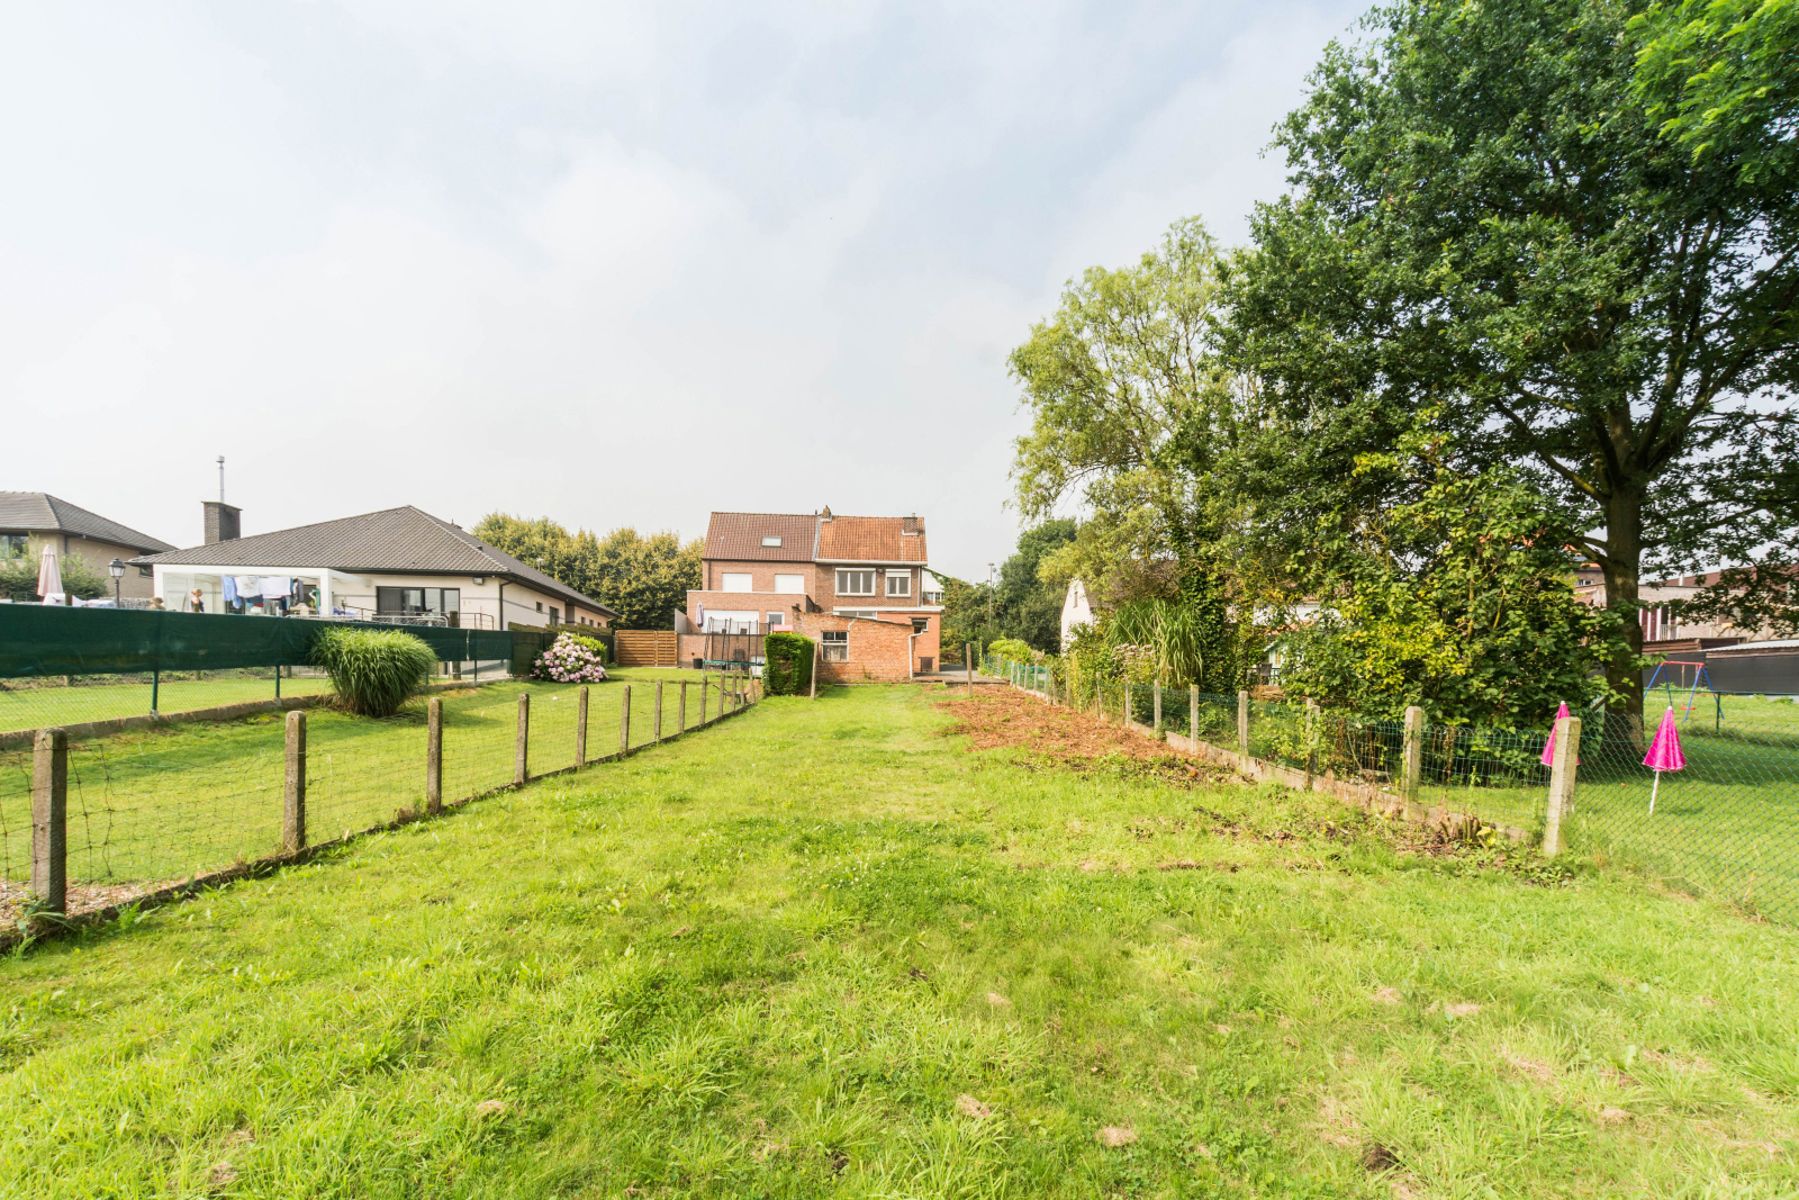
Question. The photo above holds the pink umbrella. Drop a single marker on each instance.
(1664, 753)
(1549, 746)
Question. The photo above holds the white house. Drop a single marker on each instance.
(1076, 610)
(399, 564)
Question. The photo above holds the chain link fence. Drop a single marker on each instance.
(1726, 826)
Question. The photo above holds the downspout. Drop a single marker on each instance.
(502, 616)
(911, 658)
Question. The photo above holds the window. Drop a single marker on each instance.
(419, 602)
(899, 583)
(790, 585)
(773, 542)
(540, 606)
(14, 545)
(555, 615)
(835, 645)
(920, 624)
(855, 582)
(776, 617)
(737, 581)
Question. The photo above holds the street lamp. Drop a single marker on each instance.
(117, 567)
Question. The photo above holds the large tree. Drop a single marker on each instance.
(1489, 232)
(645, 578)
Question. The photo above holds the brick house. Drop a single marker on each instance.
(855, 585)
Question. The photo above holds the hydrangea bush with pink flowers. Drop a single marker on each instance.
(570, 661)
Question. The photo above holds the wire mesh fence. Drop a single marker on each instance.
(147, 809)
(1725, 825)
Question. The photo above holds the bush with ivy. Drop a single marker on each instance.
(374, 671)
(588, 640)
(787, 669)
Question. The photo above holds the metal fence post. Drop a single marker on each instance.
(1156, 706)
(656, 715)
(1124, 706)
(1413, 762)
(1311, 739)
(521, 759)
(1193, 712)
(277, 681)
(581, 727)
(50, 819)
(434, 756)
(155, 688)
(1243, 728)
(1564, 765)
(624, 722)
(968, 662)
(681, 710)
(293, 807)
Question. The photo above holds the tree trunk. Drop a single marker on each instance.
(1621, 565)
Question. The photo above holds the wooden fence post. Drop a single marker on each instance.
(624, 722)
(1193, 713)
(521, 759)
(581, 726)
(1243, 728)
(1413, 763)
(656, 715)
(1156, 707)
(817, 648)
(434, 756)
(1124, 706)
(705, 688)
(50, 819)
(1564, 765)
(293, 808)
(1311, 740)
(681, 710)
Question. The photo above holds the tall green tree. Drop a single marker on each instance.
(1133, 415)
(645, 578)
(1489, 232)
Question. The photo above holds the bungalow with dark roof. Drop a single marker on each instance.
(29, 521)
(400, 564)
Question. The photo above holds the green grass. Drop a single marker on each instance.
(164, 804)
(770, 960)
(39, 704)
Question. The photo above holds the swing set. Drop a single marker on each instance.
(1678, 679)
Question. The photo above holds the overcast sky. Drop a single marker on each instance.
(616, 266)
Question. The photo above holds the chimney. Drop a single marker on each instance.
(909, 524)
(221, 521)
(825, 513)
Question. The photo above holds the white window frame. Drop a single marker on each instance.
(790, 584)
(777, 617)
(904, 579)
(848, 571)
(834, 645)
(748, 581)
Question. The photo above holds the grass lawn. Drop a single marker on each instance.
(38, 704)
(825, 950)
(163, 804)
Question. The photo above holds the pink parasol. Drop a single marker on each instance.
(1664, 753)
(1549, 746)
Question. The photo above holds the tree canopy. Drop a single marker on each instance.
(644, 577)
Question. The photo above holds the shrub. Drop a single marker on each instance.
(374, 671)
(1013, 650)
(572, 658)
(788, 664)
(588, 640)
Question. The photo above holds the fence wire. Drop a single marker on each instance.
(153, 807)
(1727, 825)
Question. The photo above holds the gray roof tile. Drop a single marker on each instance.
(40, 512)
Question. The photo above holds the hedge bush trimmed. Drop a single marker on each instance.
(787, 669)
(374, 671)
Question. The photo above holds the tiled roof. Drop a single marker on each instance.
(40, 512)
(394, 539)
(739, 536)
(871, 539)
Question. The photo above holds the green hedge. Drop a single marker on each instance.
(788, 664)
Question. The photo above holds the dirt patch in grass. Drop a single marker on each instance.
(999, 718)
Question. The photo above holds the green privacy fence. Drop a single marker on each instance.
(72, 666)
(1726, 826)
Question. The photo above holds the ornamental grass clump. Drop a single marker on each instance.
(570, 659)
(374, 671)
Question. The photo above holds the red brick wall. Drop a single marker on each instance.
(878, 650)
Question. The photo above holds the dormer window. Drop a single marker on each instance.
(773, 541)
